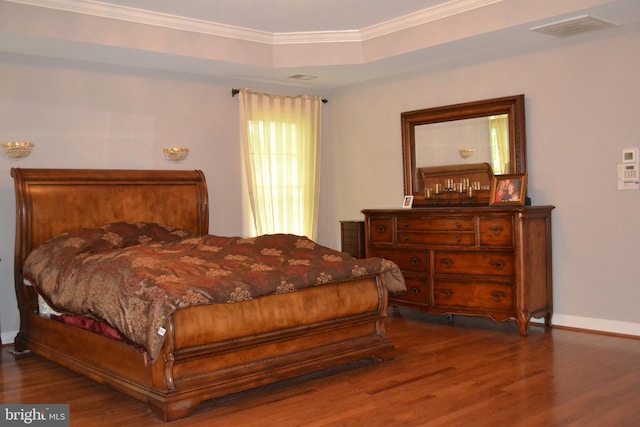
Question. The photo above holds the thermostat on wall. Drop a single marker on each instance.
(630, 155)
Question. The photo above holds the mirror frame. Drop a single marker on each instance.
(511, 105)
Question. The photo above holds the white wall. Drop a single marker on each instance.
(89, 116)
(582, 110)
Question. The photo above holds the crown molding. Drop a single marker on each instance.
(311, 37)
(148, 17)
(141, 16)
(421, 17)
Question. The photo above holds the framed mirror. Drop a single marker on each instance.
(483, 132)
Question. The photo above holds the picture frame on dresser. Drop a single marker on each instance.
(508, 190)
(407, 203)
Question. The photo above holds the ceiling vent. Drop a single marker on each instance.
(572, 26)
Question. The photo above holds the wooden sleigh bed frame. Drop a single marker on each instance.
(211, 350)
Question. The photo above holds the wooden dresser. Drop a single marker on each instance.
(479, 261)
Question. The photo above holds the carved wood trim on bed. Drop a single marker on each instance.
(211, 350)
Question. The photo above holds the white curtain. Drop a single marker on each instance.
(499, 128)
(280, 138)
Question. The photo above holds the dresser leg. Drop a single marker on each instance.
(450, 321)
(523, 323)
(547, 320)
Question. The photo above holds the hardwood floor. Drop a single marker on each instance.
(475, 373)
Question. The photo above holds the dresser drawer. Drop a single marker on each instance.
(406, 260)
(381, 230)
(475, 263)
(484, 295)
(496, 231)
(416, 289)
(447, 238)
(435, 224)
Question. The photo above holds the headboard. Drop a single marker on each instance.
(50, 202)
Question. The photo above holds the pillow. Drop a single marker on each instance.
(124, 234)
(90, 241)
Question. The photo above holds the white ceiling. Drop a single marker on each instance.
(287, 16)
(339, 42)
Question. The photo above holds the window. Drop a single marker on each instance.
(280, 142)
(499, 137)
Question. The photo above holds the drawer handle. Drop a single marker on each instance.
(446, 262)
(498, 295)
(446, 292)
(415, 261)
(381, 229)
(458, 239)
(497, 230)
(458, 225)
(405, 224)
(498, 265)
(415, 290)
(405, 238)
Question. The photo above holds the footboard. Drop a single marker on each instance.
(216, 350)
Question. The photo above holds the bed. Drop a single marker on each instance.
(208, 350)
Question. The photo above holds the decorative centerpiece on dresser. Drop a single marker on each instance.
(460, 252)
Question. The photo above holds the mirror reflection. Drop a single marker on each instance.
(477, 140)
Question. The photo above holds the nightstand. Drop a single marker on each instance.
(352, 238)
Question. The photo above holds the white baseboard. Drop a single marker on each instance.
(594, 324)
(8, 336)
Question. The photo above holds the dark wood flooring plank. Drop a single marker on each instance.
(475, 373)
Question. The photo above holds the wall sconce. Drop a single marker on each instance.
(467, 152)
(175, 154)
(17, 149)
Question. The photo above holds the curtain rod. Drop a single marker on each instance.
(235, 91)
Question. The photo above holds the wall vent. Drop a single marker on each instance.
(572, 26)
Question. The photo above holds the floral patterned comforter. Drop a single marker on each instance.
(134, 276)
